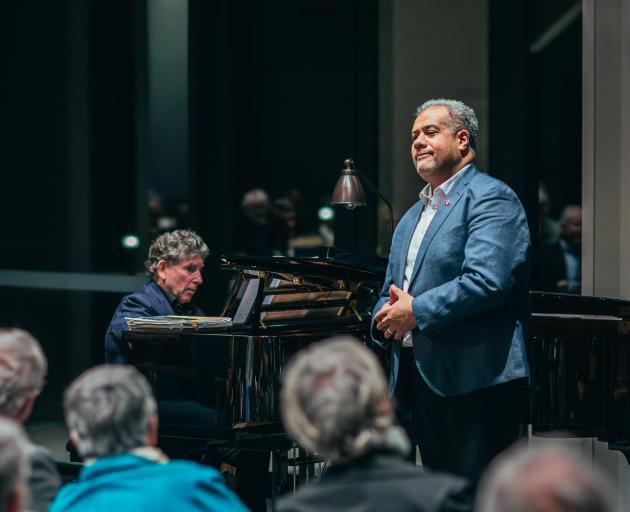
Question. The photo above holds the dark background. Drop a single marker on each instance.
(277, 95)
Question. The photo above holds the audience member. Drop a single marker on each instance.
(558, 266)
(174, 266)
(13, 466)
(23, 369)
(111, 416)
(256, 224)
(335, 402)
(542, 479)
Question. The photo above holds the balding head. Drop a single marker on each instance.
(542, 480)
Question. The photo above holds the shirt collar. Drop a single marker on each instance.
(428, 196)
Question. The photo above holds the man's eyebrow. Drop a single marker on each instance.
(424, 128)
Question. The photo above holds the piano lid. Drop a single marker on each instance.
(333, 292)
(565, 303)
(330, 262)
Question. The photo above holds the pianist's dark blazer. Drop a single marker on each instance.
(380, 481)
(150, 300)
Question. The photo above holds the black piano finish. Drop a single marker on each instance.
(216, 385)
(580, 361)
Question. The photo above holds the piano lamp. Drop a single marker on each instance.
(349, 192)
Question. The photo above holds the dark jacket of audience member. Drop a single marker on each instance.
(335, 402)
(380, 480)
(13, 466)
(23, 368)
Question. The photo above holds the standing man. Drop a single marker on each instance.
(455, 302)
(174, 265)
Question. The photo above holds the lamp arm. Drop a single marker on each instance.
(389, 206)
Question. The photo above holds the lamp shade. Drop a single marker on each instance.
(348, 191)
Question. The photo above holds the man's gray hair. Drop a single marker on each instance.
(545, 479)
(462, 117)
(13, 460)
(23, 367)
(335, 401)
(174, 247)
(109, 408)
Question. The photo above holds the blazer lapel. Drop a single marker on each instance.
(160, 300)
(442, 214)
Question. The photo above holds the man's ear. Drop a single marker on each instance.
(74, 439)
(160, 270)
(27, 408)
(152, 438)
(463, 140)
(16, 499)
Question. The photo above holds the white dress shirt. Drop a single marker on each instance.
(432, 200)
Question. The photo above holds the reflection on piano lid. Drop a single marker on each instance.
(331, 292)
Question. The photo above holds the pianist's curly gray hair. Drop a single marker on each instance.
(109, 409)
(335, 401)
(173, 247)
(462, 117)
(23, 368)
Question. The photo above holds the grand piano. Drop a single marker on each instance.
(219, 386)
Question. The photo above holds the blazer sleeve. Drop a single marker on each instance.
(495, 260)
(131, 306)
(397, 242)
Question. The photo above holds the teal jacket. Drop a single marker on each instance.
(126, 483)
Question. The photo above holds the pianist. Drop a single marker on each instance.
(174, 266)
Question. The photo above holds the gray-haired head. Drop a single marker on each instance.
(23, 368)
(174, 247)
(570, 213)
(108, 410)
(542, 479)
(13, 464)
(462, 117)
(335, 401)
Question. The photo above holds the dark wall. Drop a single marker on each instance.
(279, 93)
(535, 103)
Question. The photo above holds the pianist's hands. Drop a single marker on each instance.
(396, 317)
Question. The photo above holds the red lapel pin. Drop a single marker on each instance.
(447, 203)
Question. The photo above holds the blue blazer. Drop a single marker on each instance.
(148, 301)
(470, 285)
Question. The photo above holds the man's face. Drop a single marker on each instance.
(181, 279)
(436, 151)
(571, 229)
